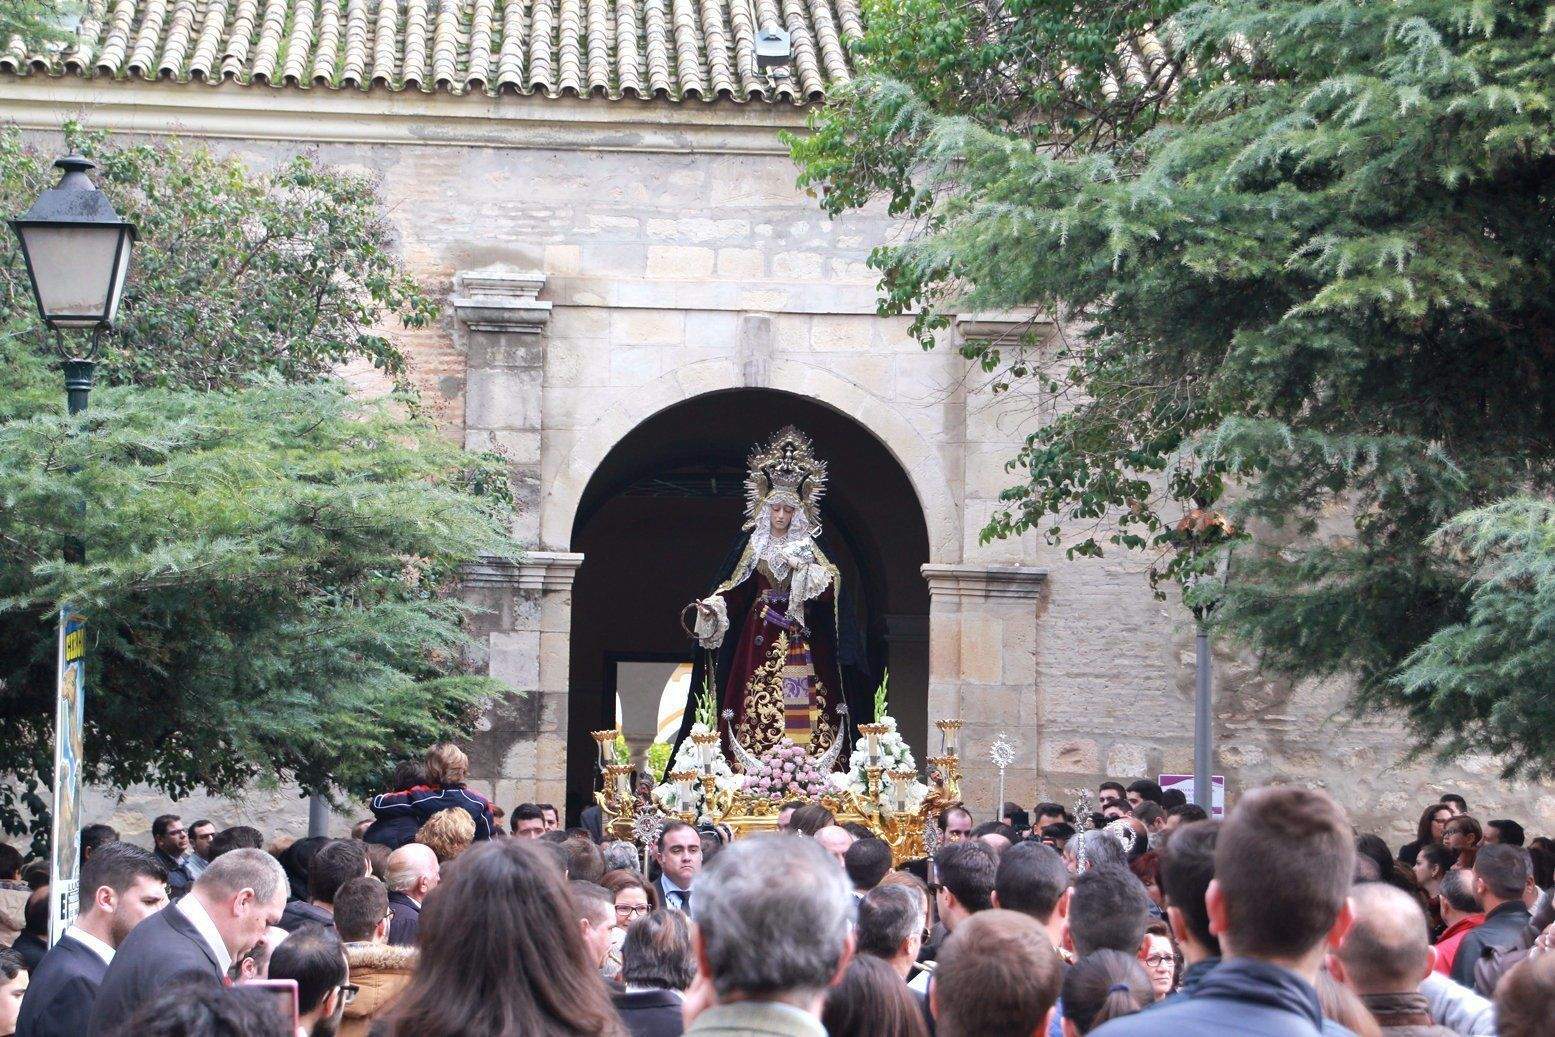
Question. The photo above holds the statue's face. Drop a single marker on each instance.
(782, 516)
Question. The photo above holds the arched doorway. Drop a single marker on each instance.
(660, 511)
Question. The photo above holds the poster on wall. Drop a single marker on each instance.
(64, 895)
(1184, 782)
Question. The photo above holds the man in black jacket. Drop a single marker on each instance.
(336, 863)
(656, 965)
(413, 873)
(228, 910)
(1500, 876)
(122, 886)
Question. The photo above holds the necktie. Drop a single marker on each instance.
(685, 901)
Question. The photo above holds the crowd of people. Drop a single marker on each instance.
(444, 915)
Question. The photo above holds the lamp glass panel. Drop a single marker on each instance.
(74, 268)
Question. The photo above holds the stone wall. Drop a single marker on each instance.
(646, 254)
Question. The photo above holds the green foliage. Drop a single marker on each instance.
(1305, 292)
(707, 703)
(268, 581)
(882, 707)
(657, 759)
(623, 754)
(271, 564)
(291, 271)
(39, 22)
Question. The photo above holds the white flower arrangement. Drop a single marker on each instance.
(894, 756)
(668, 797)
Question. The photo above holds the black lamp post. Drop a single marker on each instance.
(77, 251)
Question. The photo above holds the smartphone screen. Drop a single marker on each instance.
(282, 993)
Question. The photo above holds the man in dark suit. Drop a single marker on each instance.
(413, 873)
(656, 965)
(121, 886)
(680, 860)
(228, 910)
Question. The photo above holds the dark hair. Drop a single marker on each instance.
(501, 953)
(557, 837)
(1116, 785)
(867, 862)
(622, 878)
(238, 837)
(1543, 862)
(1108, 909)
(548, 806)
(1149, 811)
(35, 913)
(997, 974)
(1187, 866)
(887, 915)
(585, 860)
(857, 831)
(1049, 810)
(408, 774)
(295, 860)
(966, 870)
(1146, 790)
(93, 836)
(1283, 863)
(809, 819)
(1059, 830)
(1453, 797)
(872, 1000)
(336, 863)
(1372, 846)
(1503, 869)
(1173, 798)
(1435, 854)
(671, 828)
(1423, 833)
(117, 866)
(657, 952)
(1189, 812)
(1464, 824)
(314, 957)
(10, 861)
(1510, 831)
(1525, 998)
(1019, 821)
(195, 1007)
(1031, 879)
(163, 822)
(360, 905)
(993, 828)
(525, 812)
(201, 822)
(1102, 986)
(11, 964)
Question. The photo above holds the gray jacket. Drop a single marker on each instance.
(769, 1018)
(1457, 1007)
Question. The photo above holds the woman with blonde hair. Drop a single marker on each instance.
(448, 833)
(448, 768)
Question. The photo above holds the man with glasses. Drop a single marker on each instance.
(171, 840)
(315, 958)
(379, 970)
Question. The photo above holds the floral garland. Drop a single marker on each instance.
(786, 771)
(894, 756)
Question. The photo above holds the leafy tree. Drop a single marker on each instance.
(39, 22)
(1302, 251)
(271, 563)
(291, 271)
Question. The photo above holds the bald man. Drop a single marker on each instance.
(835, 841)
(413, 873)
(1384, 957)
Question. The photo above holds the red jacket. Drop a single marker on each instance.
(1447, 946)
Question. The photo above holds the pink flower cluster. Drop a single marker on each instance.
(786, 772)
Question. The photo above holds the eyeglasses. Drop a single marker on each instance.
(1157, 961)
(934, 888)
(631, 910)
(348, 992)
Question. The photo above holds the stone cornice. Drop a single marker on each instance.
(380, 117)
(501, 298)
(984, 581)
(535, 571)
(992, 326)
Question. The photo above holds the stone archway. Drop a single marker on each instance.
(659, 512)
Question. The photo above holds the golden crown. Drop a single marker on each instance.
(786, 467)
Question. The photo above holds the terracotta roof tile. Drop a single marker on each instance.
(674, 49)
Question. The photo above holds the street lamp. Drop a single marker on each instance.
(77, 251)
(1210, 581)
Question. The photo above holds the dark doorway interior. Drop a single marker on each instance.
(661, 511)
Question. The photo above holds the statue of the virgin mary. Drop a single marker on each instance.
(778, 628)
